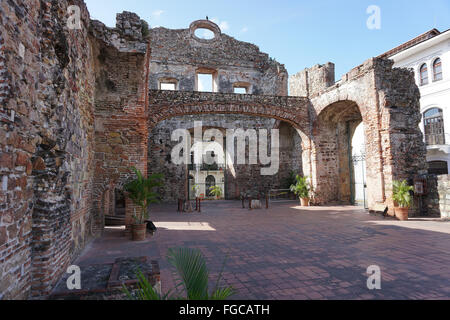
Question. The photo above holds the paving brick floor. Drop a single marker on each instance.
(288, 252)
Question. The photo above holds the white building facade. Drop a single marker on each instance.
(429, 57)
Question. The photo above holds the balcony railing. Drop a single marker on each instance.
(437, 139)
(207, 167)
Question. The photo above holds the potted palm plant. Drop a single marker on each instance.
(216, 191)
(402, 198)
(301, 189)
(140, 191)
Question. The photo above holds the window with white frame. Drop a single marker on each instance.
(437, 69)
(423, 74)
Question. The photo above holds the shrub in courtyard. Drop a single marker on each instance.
(402, 197)
(216, 191)
(192, 282)
(141, 192)
(301, 189)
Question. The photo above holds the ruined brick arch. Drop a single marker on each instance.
(103, 199)
(266, 111)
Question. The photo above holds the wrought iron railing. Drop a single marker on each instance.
(207, 167)
(436, 139)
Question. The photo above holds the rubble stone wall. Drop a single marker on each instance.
(77, 112)
(437, 201)
(180, 54)
(46, 144)
(239, 178)
(387, 101)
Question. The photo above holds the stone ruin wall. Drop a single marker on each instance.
(53, 82)
(437, 202)
(121, 132)
(386, 99)
(247, 178)
(74, 119)
(46, 144)
(177, 57)
(179, 54)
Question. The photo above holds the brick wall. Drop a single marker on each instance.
(4, 79)
(46, 145)
(121, 97)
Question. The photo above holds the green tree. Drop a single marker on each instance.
(140, 191)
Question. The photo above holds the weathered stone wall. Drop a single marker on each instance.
(76, 112)
(387, 101)
(179, 54)
(311, 81)
(437, 201)
(46, 144)
(239, 178)
(121, 95)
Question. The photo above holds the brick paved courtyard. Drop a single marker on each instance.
(288, 252)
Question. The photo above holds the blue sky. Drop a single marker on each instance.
(298, 33)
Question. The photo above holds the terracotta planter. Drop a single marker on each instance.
(304, 202)
(139, 232)
(402, 213)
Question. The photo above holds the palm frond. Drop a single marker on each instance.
(193, 274)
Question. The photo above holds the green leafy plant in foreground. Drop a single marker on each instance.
(402, 193)
(192, 282)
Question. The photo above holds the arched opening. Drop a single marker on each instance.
(358, 176)
(119, 198)
(210, 182)
(339, 158)
(234, 179)
(423, 74)
(203, 33)
(437, 70)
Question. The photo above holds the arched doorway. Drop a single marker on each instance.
(339, 160)
(209, 183)
(358, 167)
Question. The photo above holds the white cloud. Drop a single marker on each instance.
(157, 13)
(244, 29)
(223, 25)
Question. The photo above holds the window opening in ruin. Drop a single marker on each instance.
(240, 90)
(203, 33)
(168, 86)
(205, 82)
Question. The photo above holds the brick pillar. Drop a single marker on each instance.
(129, 212)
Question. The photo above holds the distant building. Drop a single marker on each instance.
(429, 56)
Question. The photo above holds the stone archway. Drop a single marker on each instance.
(333, 132)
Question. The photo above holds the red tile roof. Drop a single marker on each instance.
(411, 43)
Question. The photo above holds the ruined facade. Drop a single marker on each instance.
(79, 107)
